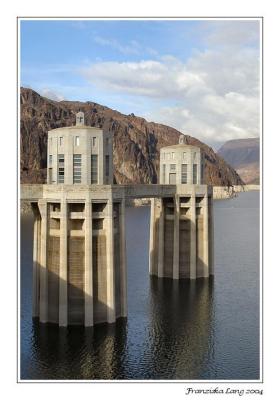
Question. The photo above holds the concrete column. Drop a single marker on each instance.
(110, 152)
(190, 168)
(88, 160)
(179, 173)
(205, 237)
(193, 236)
(56, 159)
(43, 303)
(63, 299)
(123, 269)
(70, 151)
(54, 169)
(101, 149)
(85, 151)
(111, 313)
(176, 237)
(161, 239)
(88, 265)
(68, 159)
(36, 262)
(152, 237)
(199, 177)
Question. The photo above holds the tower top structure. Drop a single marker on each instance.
(182, 139)
(80, 118)
(80, 154)
(181, 164)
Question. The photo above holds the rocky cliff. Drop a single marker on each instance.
(136, 142)
(244, 156)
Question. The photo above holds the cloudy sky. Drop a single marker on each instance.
(199, 76)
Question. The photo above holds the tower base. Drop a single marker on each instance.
(181, 234)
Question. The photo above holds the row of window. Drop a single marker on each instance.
(77, 168)
(171, 156)
(77, 141)
(184, 173)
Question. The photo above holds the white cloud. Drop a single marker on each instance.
(216, 119)
(216, 91)
(149, 78)
(231, 33)
(51, 94)
(229, 70)
(132, 48)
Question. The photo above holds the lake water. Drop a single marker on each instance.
(208, 329)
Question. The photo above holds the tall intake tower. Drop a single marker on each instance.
(79, 267)
(79, 251)
(181, 226)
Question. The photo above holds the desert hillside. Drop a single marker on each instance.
(136, 142)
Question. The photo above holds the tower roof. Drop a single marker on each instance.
(181, 146)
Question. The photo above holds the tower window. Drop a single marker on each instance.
(77, 141)
(60, 175)
(50, 175)
(77, 168)
(61, 159)
(60, 168)
(194, 174)
(93, 141)
(94, 168)
(172, 167)
(61, 141)
(173, 156)
(50, 160)
(184, 173)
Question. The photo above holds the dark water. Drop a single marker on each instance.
(208, 329)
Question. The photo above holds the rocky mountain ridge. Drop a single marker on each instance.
(244, 156)
(136, 142)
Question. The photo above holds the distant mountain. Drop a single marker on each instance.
(244, 156)
(136, 142)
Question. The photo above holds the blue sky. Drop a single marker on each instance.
(201, 77)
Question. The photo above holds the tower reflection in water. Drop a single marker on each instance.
(181, 313)
(78, 352)
(176, 344)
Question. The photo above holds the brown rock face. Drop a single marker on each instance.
(136, 142)
(244, 156)
(250, 173)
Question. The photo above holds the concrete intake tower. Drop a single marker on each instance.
(79, 250)
(181, 237)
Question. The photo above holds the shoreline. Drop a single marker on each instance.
(228, 192)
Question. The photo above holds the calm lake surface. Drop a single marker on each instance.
(208, 329)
